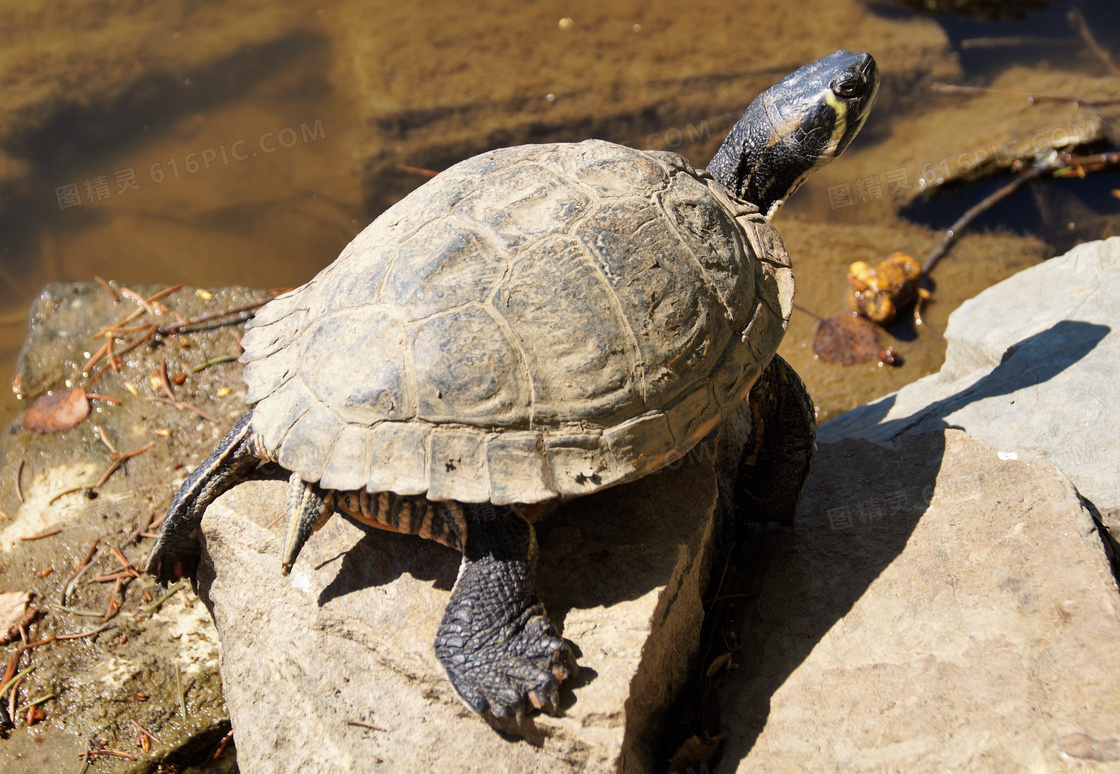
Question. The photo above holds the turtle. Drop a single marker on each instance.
(533, 325)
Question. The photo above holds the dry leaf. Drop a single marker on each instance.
(12, 606)
(846, 339)
(57, 410)
(13, 614)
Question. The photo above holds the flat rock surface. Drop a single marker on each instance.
(938, 609)
(1032, 369)
(348, 635)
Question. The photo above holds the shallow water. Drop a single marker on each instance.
(260, 178)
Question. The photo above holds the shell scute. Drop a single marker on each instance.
(467, 370)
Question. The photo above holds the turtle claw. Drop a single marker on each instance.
(507, 678)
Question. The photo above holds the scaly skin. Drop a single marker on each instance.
(495, 641)
(500, 651)
(177, 550)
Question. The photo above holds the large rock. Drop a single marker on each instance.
(348, 636)
(939, 609)
(946, 601)
(1032, 368)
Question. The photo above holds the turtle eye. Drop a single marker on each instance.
(849, 85)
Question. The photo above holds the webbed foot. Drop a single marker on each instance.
(501, 652)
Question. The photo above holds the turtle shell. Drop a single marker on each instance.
(536, 322)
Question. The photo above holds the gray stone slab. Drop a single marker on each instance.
(348, 635)
(938, 609)
(1032, 368)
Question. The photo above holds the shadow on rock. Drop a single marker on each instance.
(858, 510)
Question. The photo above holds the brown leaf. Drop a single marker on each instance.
(846, 339)
(695, 752)
(57, 410)
(14, 612)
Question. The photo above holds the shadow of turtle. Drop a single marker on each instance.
(858, 510)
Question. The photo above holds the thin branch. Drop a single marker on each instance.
(975, 211)
(175, 327)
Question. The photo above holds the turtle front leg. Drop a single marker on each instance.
(781, 447)
(495, 641)
(177, 550)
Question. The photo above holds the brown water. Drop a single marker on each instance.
(256, 169)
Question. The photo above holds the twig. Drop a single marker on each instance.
(146, 732)
(178, 326)
(76, 611)
(65, 492)
(81, 568)
(120, 557)
(1082, 28)
(151, 330)
(41, 535)
(811, 313)
(109, 608)
(179, 404)
(95, 753)
(976, 210)
(222, 745)
(39, 643)
(96, 356)
(96, 375)
(14, 697)
(179, 688)
(1020, 40)
(126, 455)
(214, 361)
(36, 702)
(118, 460)
(108, 289)
(117, 326)
(421, 171)
(90, 633)
(159, 602)
(113, 361)
(364, 724)
(108, 472)
(139, 299)
(1073, 165)
(19, 480)
(164, 380)
(105, 439)
(18, 676)
(164, 293)
(114, 576)
(13, 665)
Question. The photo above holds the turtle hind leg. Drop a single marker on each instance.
(177, 549)
(308, 508)
(495, 641)
(780, 450)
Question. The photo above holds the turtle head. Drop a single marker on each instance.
(795, 127)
